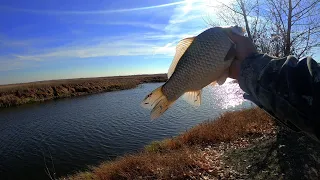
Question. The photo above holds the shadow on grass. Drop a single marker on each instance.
(288, 155)
(298, 155)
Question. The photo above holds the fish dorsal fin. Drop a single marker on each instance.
(181, 48)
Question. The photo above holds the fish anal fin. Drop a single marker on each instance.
(193, 98)
(181, 48)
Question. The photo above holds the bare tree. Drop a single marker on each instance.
(248, 14)
(277, 27)
(297, 22)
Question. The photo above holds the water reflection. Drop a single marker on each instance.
(227, 95)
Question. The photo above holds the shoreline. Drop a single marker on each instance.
(245, 144)
(27, 93)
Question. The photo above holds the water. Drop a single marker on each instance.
(67, 135)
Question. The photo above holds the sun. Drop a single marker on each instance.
(188, 7)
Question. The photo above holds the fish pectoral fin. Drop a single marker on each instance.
(193, 98)
(181, 48)
(223, 77)
(214, 83)
(156, 101)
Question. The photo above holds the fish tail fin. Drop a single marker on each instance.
(156, 101)
(193, 97)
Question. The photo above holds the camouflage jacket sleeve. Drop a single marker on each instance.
(286, 88)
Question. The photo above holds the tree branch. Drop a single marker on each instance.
(294, 7)
(308, 8)
(304, 32)
(279, 15)
(230, 8)
(307, 45)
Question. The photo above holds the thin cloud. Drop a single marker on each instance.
(91, 12)
(184, 22)
(103, 49)
(140, 44)
(154, 26)
(186, 19)
(10, 63)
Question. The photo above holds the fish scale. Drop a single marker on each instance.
(198, 61)
(200, 66)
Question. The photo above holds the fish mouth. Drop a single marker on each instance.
(238, 30)
(243, 30)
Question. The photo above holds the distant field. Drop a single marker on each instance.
(18, 94)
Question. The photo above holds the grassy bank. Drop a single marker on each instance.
(180, 157)
(239, 145)
(18, 94)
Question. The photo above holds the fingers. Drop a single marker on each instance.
(244, 45)
(235, 37)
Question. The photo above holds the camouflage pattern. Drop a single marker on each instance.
(286, 88)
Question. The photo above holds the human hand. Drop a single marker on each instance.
(244, 47)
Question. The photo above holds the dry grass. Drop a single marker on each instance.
(229, 127)
(114, 79)
(143, 166)
(172, 158)
(17, 94)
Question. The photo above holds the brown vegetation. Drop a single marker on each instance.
(18, 94)
(143, 166)
(229, 127)
(245, 144)
(179, 157)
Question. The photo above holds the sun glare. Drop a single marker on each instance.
(188, 7)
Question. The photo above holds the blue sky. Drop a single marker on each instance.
(58, 39)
